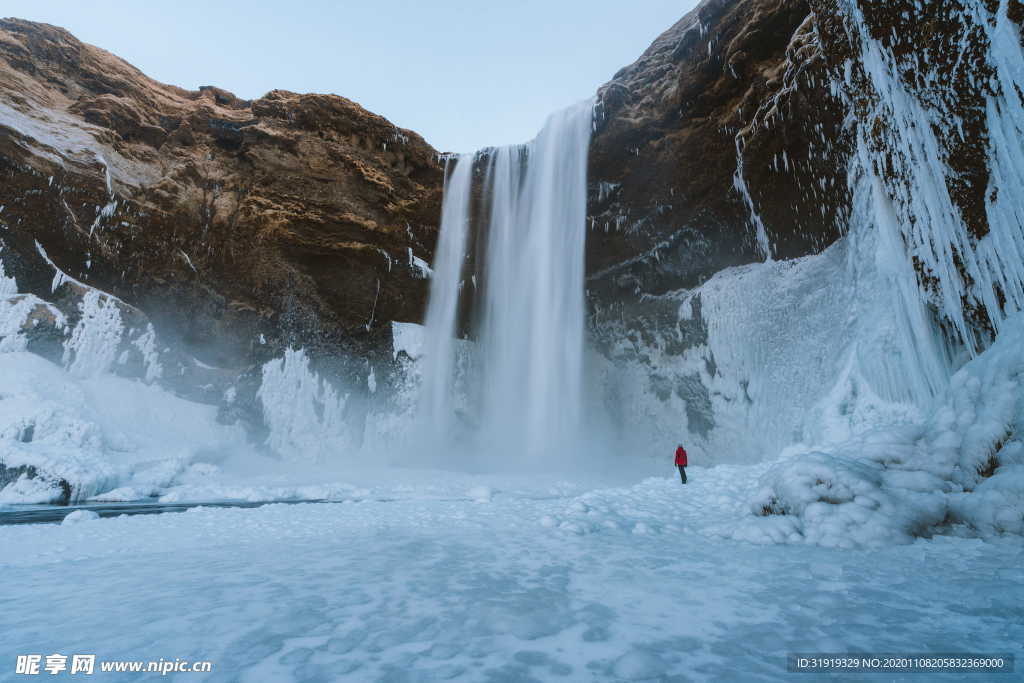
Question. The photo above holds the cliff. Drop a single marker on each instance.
(736, 136)
(237, 226)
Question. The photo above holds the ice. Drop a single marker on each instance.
(304, 413)
(79, 516)
(16, 312)
(146, 344)
(438, 588)
(806, 351)
(740, 185)
(855, 465)
(481, 494)
(407, 337)
(98, 433)
(8, 285)
(958, 469)
(92, 348)
(903, 128)
(26, 490)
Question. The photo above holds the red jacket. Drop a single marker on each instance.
(680, 457)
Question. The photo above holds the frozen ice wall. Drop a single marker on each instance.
(304, 414)
(899, 141)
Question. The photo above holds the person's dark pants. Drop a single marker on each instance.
(682, 473)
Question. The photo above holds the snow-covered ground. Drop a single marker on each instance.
(500, 581)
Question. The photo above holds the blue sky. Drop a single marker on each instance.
(462, 73)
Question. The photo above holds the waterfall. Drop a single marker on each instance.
(437, 400)
(529, 313)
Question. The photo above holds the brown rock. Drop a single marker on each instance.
(740, 122)
(727, 93)
(290, 216)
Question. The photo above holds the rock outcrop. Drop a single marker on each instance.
(238, 227)
(687, 177)
(731, 141)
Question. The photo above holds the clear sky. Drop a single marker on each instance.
(463, 73)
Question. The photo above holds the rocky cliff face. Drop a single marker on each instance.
(709, 150)
(731, 140)
(238, 227)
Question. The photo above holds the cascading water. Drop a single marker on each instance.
(531, 311)
(436, 402)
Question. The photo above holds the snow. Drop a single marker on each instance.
(61, 137)
(92, 347)
(100, 432)
(426, 587)
(29, 490)
(79, 516)
(958, 470)
(15, 312)
(304, 413)
(407, 337)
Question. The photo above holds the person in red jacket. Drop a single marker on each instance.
(681, 462)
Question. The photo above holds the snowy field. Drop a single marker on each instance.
(479, 578)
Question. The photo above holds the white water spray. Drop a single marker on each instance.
(437, 400)
(531, 314)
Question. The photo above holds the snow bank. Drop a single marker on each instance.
(960, 470)
(79, 516)
(73, 438)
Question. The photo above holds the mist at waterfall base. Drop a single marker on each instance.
(512, 396)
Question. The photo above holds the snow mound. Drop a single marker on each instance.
(835, 500)
(65, 438)
(27, 489)
(962, 469)
(79, 516)
(480, 494)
